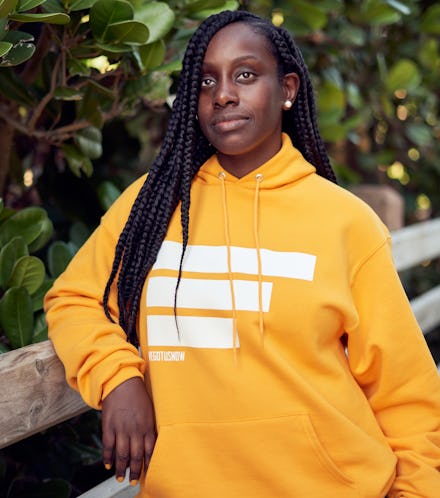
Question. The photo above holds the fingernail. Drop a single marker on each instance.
(119, 478)
(133, 482)
(107, 466)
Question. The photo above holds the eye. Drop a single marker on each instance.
(246, 76)
(207, 82)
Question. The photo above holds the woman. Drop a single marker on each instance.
(264, 319)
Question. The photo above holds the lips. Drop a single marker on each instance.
(229, 122)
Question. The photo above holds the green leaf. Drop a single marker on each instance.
(310, 14)
(89, 142)
(333, 133)
(150, 56)
(27, 223)
(46, 231)
(351, 35)
(78, 68)
(107, 193)
(77, 161)
(114, 48)
(58, 257)
(13, 88)
(24, 5)
(53, 6)
(105, 12)
(38, 296)
(16, 316)
(6, 7)
(9, 254)
(354, 96)
(331, 103)
(90, 106)
(429, 54)
(379, 13)
(39, 334)
(58, 18)
(158, 17)
(5, 214)
(4, 348)
(17, 36)
(28, 272)
(78, 233)
(18, 54)
(5, 47)
(67, 94)
(421, 134)
(3, 27)
(204, 13)
(153, 87)
(81, 4)
(133, 32)
(193, 6)
(404, 74)
(399, 6)
(431, 20)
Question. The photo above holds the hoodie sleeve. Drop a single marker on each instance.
(94, 351)
(390, 360)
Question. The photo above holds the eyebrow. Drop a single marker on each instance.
(235, 61)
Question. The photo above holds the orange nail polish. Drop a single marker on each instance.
(133, 482)
(107, 466)
(119, 478)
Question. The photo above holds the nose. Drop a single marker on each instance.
(225, 93)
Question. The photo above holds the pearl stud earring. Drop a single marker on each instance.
(287, 104)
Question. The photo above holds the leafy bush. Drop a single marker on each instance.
(24, 276)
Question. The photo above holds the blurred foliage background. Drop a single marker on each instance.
(85, 93)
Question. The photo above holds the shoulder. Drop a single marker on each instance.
(118, 213)
(349, 208)
(346, 220)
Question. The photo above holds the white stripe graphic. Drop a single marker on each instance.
(207, 294)
(195, 332)
(213, 259)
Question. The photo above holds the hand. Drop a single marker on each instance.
(128, 429)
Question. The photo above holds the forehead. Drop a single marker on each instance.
(236, 40)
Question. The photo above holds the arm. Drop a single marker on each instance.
(96, 355)
(391, 362)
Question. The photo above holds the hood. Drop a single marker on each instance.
(284, 168)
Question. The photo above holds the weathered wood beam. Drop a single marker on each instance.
(33, 393)
(416, 243)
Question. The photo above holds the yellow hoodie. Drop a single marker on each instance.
(255, 395)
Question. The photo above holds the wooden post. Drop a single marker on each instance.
(33, 393)
(385, 201)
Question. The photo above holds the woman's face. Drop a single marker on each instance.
(241, 98)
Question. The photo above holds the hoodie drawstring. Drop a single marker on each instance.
(221, 177)
(258, 180)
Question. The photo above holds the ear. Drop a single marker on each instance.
(291, 85)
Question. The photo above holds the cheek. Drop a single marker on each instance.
(203, 114)
(268, 105)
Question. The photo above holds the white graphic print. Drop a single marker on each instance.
(213, 259)
(199, 293)
(207, 294)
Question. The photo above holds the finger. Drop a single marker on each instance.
(122, 456)
(136, 459)
(108, 445)
(149, 443)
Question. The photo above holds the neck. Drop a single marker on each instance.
(243, 164)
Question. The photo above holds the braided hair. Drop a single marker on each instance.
(185, 149)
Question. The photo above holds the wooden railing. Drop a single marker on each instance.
(35, 396)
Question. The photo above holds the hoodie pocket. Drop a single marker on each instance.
(276, 457)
